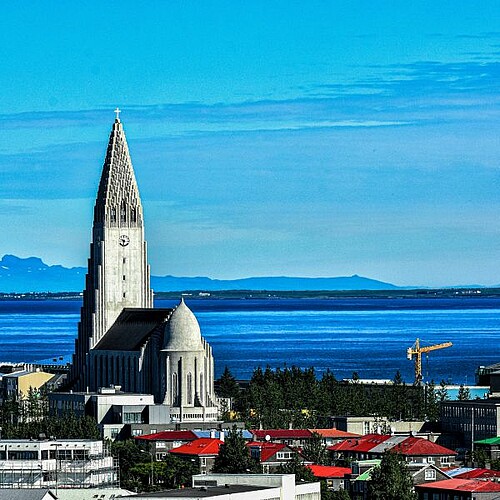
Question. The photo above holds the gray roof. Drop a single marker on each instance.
(388, 444)
(209, 492)
(26, 494)
(132, 328)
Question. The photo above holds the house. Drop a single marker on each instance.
(204, 451)
(16, 385)
(490, 445)
(334, 476)
(271, 455)
(333, 436)
(160, 443)
(373, 424)
(459, 489)
(413, 449)
(474, 473)
(291, 437)
(357, 482)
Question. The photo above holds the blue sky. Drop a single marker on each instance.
(268, 138)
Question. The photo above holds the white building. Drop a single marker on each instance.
(66, 463)
(242, 487)
(122, 339)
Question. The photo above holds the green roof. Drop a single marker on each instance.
(367, 475)
(492, 440)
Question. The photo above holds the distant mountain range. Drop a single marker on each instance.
(33, 275)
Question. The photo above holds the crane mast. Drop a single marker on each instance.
(416, 351)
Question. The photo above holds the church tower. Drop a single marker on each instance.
(118, 274)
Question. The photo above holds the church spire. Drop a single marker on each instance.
(118, 271)
(118, 203)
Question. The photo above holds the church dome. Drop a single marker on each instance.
(182, 331)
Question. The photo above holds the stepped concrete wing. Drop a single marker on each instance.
(182, 332)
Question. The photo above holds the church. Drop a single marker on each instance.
(123, 341)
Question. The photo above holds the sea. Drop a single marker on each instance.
(369, 336)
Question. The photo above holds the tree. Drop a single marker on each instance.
(442, 392)
(234, 456)
(391, 480)
(315, 451)
(463, 393)
(295, 466)
(327, 494)
(227, 385)
(432, 403)
(171, 472)
(128, 455)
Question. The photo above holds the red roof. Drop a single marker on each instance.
(334, 433)
(199, 447)
(362, 444)
(169, 436)
(414, 446)
(478, 474)
(325, 471)
(283, 434)
(474, 485)
(411, 446)
(267, 450)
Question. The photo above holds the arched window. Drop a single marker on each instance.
(189, 389)
(202, 394)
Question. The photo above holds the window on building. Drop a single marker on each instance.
(132, 418)
(430, 474)
(123, 212)
(203, 461)
(174, 388)
(136, 432)
(189, 388)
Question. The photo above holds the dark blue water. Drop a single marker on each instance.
(369, 336)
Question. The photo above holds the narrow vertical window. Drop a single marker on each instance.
(174, 388)
(189, 389)
(123, 212)
(113, 215)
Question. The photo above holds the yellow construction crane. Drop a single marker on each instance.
(416, 350)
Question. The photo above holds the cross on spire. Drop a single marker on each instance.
(118, 111)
